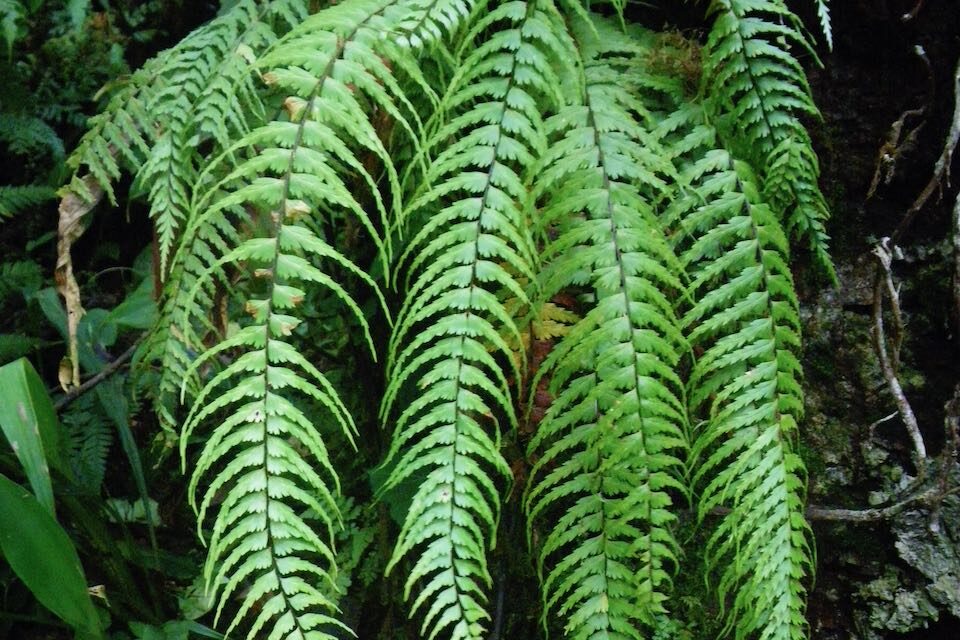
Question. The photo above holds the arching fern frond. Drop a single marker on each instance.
(611, 447)
(758, 86)
(471, 250)
(197, 87)
(294, 176)
(744, 319)
(203, 95)
(217, 120)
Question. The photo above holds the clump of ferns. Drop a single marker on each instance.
(489, 155)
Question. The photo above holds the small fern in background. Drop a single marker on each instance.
(90, 436)
(443, 171)
(37, 144)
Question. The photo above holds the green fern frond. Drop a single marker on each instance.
(204, 91)
(746, 386)
(470, 254)
(748, 66)
(26, 135)
(207, 102)
(171, 348)
(23, 275)
(119, 134)
(90, 436)
(759, 89)
(826, 26)
(14, 199)
(294, 175)
(426, 22)
(199, 87)
(612, 444)
(791, 185)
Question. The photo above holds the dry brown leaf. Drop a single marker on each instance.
(73, 209)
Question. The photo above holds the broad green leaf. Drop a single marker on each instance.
(138, 310)
(44, 558)
(173, 630)
(29, 422)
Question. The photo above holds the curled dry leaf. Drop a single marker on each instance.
(74, 207)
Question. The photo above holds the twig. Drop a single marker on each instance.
(106, 372)
(931, 495)
(956, 261)
(884, 282)
(876, 423)
(941, 170)
(897, 143)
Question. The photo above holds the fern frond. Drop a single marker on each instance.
(204, 94)
(425, 22)
(14, 199)
(294, 176)
(826, 27)
(168, 345)
(791, 186)
(760, 89)
(746, 385)
(472, 249)
(23, 275)
(610, 447)
(11, 14)
(90, 436)
(119, 134)
(26, 135)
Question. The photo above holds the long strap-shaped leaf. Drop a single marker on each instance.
(610, 449)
